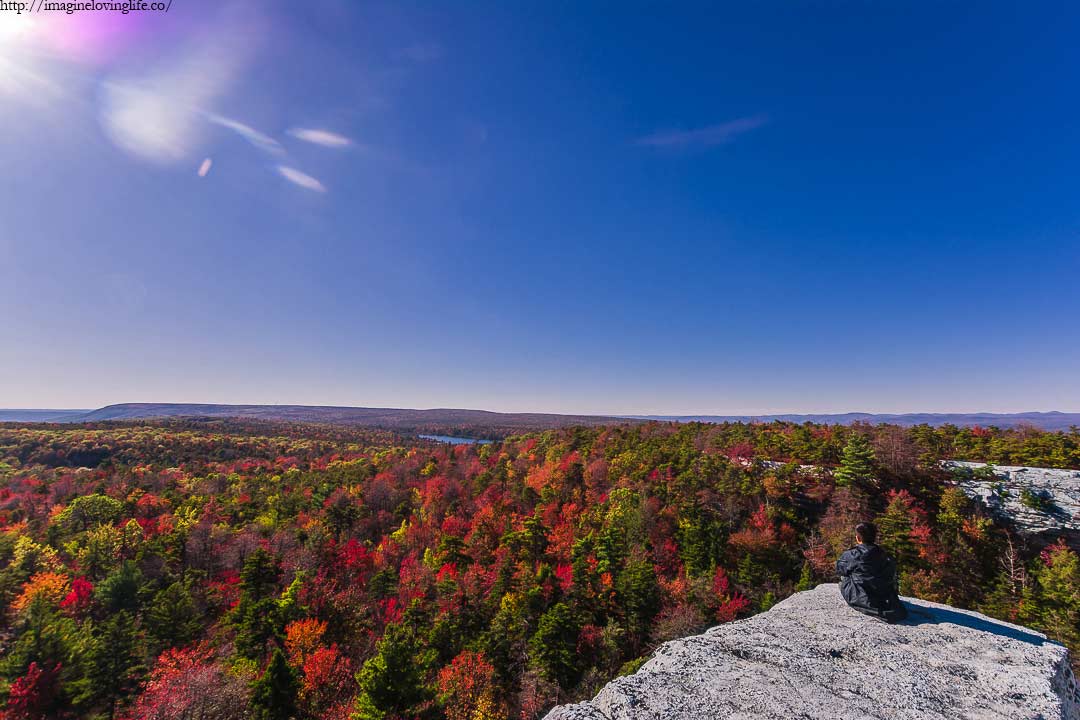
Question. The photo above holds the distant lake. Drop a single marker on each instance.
(456, 440)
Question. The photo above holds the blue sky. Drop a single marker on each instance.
(569, 207)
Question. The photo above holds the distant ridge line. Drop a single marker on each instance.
(406, 419)
(1049, 420)
(471, 423)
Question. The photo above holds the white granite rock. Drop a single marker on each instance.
(812, 657)
(1004, 496)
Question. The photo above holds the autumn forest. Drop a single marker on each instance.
(218, 569)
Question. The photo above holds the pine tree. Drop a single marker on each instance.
(52, 641)
(894, 531)
(701, 541)
(120, 590)
(857, 463)
(114, 660)
(806, 579)
(1006, 596)
(256, 614)
(391, 682)
(953, 511)
(504, 641)
(259, 576)
(638, 594)
(1058, 587)
(554, 646)
(172, 618)
(273, 696)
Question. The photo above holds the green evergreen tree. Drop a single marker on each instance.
(383, 583)
(806, 579)
(953, 506)
(259, 576)
(392, 682)
(50, 640)
(114, 661)
(857, 464)
(1003, 600)
(172, 618)
(701, 540)
(342, 512)
(585, 575)
(120, 590)
(273, 696)
(554, 646)
(504, 642)
(894, 533)
(1058, 594)
(638, 594)
(256, 615)
(749, 573)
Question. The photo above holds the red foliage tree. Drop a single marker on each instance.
(78, 600)
(730, 602)
(467, 687)
(32, 696)
(328, 682)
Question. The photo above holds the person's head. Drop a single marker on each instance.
(866, 533)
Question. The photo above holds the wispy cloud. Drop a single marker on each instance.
(321, 137)
(259, 139)
(204, 169)
(301, 178)
(703, 137)
(158, 113)
(151, 125)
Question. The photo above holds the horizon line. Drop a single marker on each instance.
(644, 415)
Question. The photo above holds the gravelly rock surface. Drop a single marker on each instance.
(1003, 496)
(813, 658)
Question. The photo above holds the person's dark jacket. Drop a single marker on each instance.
(868, 582)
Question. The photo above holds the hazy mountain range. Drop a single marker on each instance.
(1042, 420)
(470, 423)
(473, 421)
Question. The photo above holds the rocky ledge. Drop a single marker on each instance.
(1035, 500)
(812, 657)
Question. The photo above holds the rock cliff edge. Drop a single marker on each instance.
(1035, 500)
(812, 657)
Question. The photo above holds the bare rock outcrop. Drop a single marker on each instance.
(1035, 500)
(813, 658)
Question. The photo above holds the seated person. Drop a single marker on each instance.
(868, 577)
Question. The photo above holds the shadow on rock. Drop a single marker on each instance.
(936, 616)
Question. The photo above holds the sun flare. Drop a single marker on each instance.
(15, 30)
